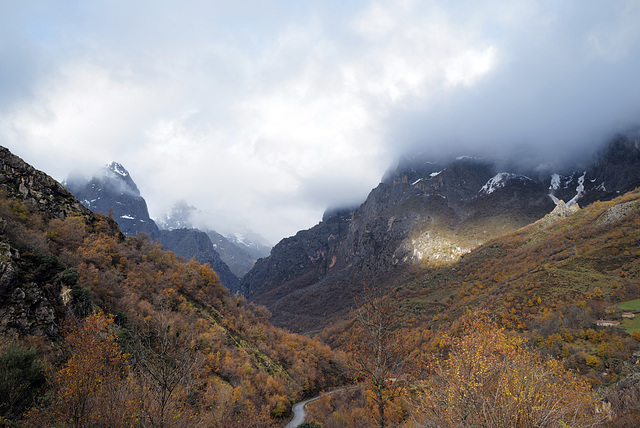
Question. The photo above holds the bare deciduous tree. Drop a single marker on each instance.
(379, 353)
(166, 362)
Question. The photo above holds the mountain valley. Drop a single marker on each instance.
(120, 323)
(462, 252)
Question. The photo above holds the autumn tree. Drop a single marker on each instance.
(491, 379)
(92, 387)
(378, 352)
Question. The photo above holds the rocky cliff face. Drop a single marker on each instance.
(26, 307)
(422, 213)
(301, 260)
(240, 258)
(20, 180)
(30, 300)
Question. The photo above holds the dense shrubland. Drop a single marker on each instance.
(479, 374)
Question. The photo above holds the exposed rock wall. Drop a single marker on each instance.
(22, 181)
(424, 213)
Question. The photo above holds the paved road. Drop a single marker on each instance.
(300, 414)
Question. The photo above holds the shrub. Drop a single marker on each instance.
(21, 378)
(309, 425)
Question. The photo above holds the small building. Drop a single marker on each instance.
(628, 315)
(606, 323)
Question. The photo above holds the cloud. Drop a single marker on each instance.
(551, 89)
(263, 114)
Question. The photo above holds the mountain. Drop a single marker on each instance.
(423, 213)
(178, 217)
(566, 288)
(65, 269)
(112, 191)
(240, 256)
(251, 242)
(238, 250)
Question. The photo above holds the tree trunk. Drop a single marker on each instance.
(381, 421)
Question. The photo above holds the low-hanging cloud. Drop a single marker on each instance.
(263, 114)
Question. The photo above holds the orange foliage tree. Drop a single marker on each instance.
(93, 386)
(491, 379)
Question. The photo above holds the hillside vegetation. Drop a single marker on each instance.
(99, 329)
(551, 280)
(542, 287)
(127, 334)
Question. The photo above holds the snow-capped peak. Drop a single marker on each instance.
(240, 239)
(116, 168)
(467, 157)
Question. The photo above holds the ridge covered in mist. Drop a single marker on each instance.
(425, 213)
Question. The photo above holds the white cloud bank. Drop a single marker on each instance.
(263, 114)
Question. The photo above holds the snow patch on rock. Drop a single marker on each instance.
(500, 180)
(579, 190)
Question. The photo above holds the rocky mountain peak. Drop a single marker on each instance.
(178, 217)
(563, 210)
(118, 178)
(111, 190)
(118, 169)
(501, 180)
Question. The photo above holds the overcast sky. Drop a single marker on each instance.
(264, 113)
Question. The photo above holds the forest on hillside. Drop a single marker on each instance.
(145, 339)
(99, 329)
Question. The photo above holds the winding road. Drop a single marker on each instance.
(300, 414)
